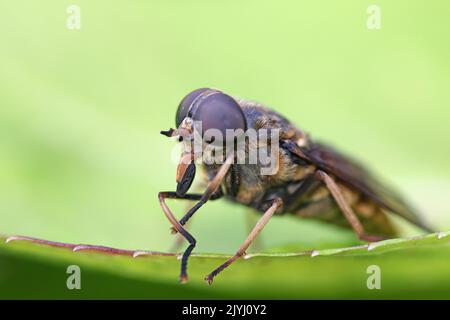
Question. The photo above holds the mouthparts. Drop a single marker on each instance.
(185, 174)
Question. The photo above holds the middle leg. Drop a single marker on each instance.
(277, 203)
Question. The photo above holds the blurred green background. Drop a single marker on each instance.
(81, 157)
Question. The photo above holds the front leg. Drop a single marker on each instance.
(178, 225)
(179, 228)
(189, 197)
(212, 192)
(203, 198)
(277, 203)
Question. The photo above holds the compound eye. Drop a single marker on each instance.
(184, 105)
(220, 112)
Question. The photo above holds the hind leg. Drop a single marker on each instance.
(346, 209)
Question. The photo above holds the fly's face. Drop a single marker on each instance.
(205, 120)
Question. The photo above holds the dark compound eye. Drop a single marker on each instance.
(184, 105)
(217, 110)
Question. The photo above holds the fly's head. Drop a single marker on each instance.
(207, 122)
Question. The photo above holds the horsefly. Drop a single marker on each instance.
(256, 157)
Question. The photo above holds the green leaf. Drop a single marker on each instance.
(410, 268)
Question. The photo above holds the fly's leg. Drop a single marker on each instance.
(277, 203)
(211, 190)
(345, 207)
(216, 194)
(179, 240)
(176, 246)
(190, 197)
(179, 228)
(178, 243)
(251, 219)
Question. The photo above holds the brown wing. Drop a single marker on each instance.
(351, 173)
